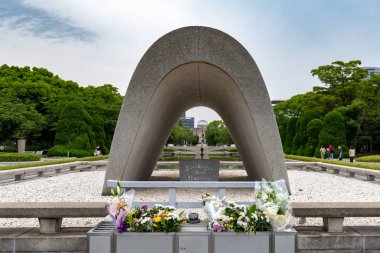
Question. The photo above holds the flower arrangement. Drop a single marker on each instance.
(273, 200)
(229, 216)
(142, 219)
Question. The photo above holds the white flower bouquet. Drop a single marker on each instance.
(273, 199)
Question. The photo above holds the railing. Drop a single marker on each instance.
(172, 187)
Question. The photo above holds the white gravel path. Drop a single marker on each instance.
(306, 186)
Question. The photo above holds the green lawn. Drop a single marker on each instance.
(369, 159)
(27, 165)
(313, 159)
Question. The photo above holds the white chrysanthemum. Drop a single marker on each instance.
(145, 220)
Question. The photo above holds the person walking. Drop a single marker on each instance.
(322, 150)
(331, 152)
(351, 153)
(340, 153)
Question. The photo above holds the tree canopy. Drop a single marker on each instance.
(35, 104)
(345, 110)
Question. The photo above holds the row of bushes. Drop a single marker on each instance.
(224, 157)
(18, 157)
(176, 157)
(61, 150)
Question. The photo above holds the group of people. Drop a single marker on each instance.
(330, 149)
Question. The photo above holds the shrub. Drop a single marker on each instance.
(301, 150)
(169, 149)
(61, 150)
(10, 149)
(333, 131)
(290, 132)
(74, 128)
(231, 149)
(224, 158)
(18, 157)
(313, 129)
(176, 158)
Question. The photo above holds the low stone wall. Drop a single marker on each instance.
(309, 240)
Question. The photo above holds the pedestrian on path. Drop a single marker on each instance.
(322, 150)
(340, 153)
(331, 152)
(351, 153)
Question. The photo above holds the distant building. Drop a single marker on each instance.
(187, 122)
(372, 71)
(276, 101)
(201, 130)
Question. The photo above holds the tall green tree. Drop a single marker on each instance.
(217, 132)
(333, 131)
(74, 128)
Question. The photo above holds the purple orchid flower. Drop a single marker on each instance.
(144, 207)
(217, 228)
(120, 222)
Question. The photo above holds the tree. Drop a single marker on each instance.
(341, 78)
(217, 132)
(313, 129)
(290, 133)
(74, 128)
(333, 131)
(19, 121)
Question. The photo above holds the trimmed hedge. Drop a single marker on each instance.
(231, 149)
(312, 159)
(176, 157)
(61, 150)
(169, 149)
(224, 158)
(369, 159)
(35, 164)
(18, 157)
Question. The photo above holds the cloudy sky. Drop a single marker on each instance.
(96, 42)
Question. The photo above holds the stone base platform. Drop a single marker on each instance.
(309, 240)
(31, 240)
(351, 240)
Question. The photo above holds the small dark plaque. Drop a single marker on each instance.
(199, 170)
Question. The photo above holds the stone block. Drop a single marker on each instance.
(19, 177)
(371, 236)
(316, 239)
(333, 225)
(52, 225)
(68, 240)
(199, 170)
(370, 177)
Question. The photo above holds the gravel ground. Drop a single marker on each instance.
(306, 186)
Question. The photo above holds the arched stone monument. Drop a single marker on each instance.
(189, 67)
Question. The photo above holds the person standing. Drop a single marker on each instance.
(322, 150)
(331, 152)
(351, 153)
(340, 153)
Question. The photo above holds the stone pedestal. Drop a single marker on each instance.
(21, 143)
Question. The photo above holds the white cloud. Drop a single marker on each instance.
(285, 47)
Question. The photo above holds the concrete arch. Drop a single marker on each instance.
(188, 67)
